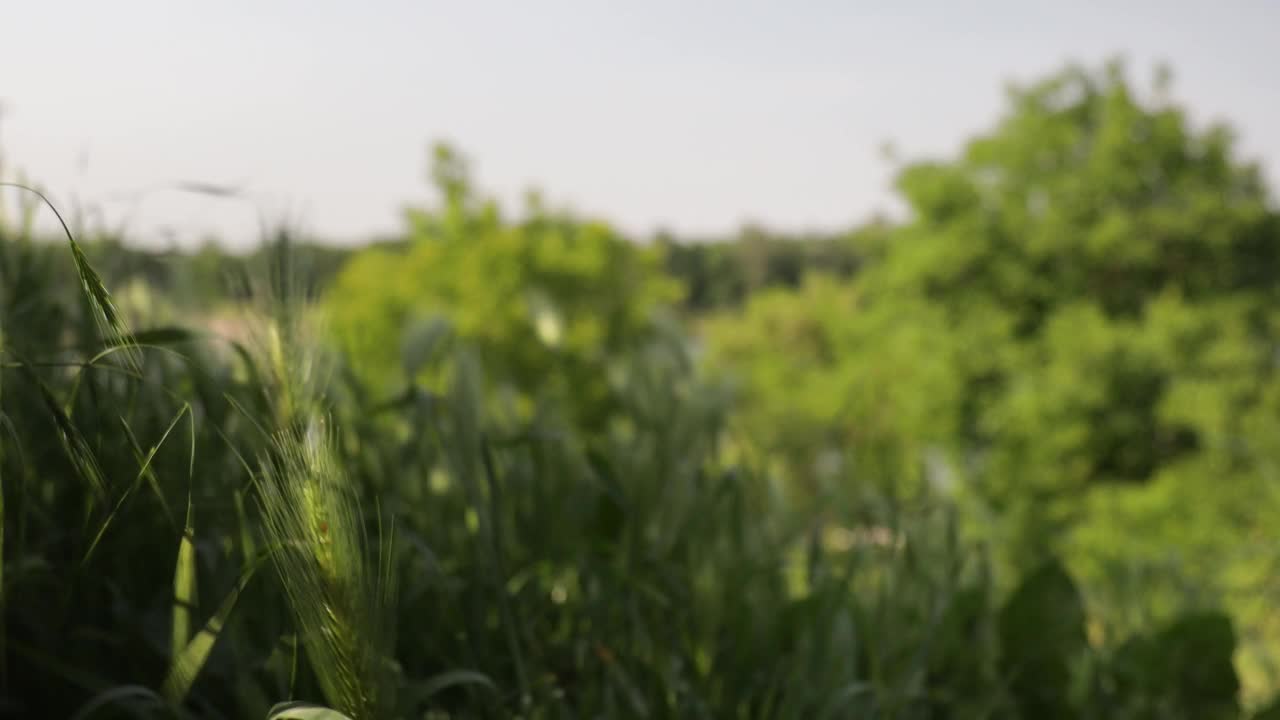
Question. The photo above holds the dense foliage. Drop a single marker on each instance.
(1075, 331)
(1007, 458)
(548, 302)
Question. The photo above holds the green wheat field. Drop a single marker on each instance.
(1014, 455)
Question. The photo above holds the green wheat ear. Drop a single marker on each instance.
(340, 594)
(111, 324)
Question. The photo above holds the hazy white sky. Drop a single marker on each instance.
(695, 115)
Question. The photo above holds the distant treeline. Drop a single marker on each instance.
(716, 272)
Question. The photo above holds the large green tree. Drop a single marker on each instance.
(1075, 329)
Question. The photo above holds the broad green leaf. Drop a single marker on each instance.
(1189, 662)
(1047, 607)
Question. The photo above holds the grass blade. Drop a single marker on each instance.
(146, 474)
(188, 663)
(156, 338)
(248, 547)
(102, 529)
(73, 443)
(453, 678)
(184, 588)
(4, 668)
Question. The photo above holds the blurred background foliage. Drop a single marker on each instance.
(547, 301)
(1013, 455)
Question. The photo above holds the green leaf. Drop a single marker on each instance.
(1269, 712)
(188, 663)
(423, 691)
(304, 711)
(1042, 632)
(1199, 649)
(184, 588)
(154, 337)
(1189, 664)
(145, 473)
(73, 443)
(4, 668)
(138, 700)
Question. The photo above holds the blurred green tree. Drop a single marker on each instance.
(1075, 328)
(548, 301)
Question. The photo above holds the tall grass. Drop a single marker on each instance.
(647, 567)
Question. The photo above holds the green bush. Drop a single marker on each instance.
(548, 302)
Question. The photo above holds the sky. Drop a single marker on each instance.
(693, 116)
